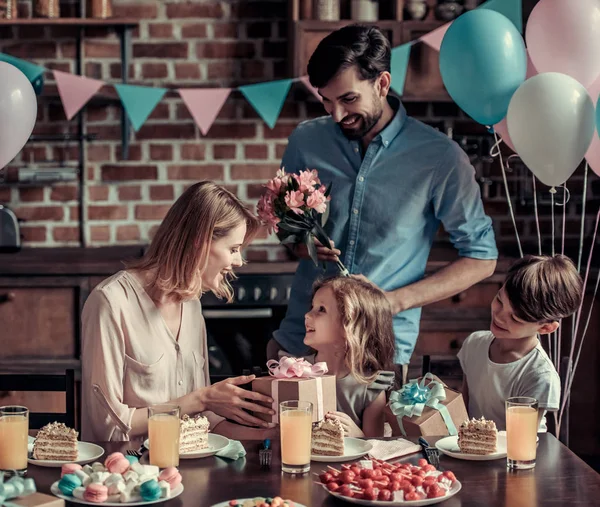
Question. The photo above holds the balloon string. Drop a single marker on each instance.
(537, 216)
(562, 251)
(552, 218)
(496, 152)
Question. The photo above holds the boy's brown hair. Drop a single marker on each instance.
(543, 289)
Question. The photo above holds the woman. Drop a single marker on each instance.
(144, 337)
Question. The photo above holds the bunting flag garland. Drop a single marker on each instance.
(267, 98)
(399, 67)
(139, 101)
(75, 91)
(204, 104)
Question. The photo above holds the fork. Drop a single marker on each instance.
(432, 454)
(138, 453)
(264, 454)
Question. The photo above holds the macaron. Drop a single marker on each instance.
(116, 463)
(70, 468)
(150, 491)
(170, 475)
(68, 483)
(96, 493)
(132, 459)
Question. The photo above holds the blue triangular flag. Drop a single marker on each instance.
(139, 101)
(267, 98)
(33, 72)
(512, 9)
(399, 65)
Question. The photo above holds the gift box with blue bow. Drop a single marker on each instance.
(425, 407)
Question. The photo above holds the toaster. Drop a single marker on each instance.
(10, 237)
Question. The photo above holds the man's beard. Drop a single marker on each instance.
(364, 125)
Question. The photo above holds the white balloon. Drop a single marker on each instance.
(551, 121)
(18, 111)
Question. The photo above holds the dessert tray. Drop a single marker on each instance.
(86, 453)
(216, 443)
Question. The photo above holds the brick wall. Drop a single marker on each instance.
(184, 44)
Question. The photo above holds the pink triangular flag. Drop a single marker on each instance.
(435, 37)
(204, 104)
(306, 82)
(75, 91)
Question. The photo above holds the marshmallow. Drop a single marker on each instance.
(144, 478)
(98, 467)
(81, 474)
(130, 475)
(87, 469)
(99, 477)
(125, 497)
(78, 492)
(113, 479)
(138, 468)
(116, 488)
(165, 489)
(151, 470)
(87, 481)
(113, 498)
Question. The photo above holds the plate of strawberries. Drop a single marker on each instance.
(378, 483)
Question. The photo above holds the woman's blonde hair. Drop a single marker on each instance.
(179, 252)
(367, 321)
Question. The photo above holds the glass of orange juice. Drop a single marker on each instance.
(295, 428)
(163, 435)
(14, 427)
(521, 432)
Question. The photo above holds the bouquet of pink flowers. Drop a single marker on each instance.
(295, 207)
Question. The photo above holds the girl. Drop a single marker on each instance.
(144, 337)
(350, 327)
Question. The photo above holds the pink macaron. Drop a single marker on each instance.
(70, 468)
(116, 463)
(96, 493)
(172, 476)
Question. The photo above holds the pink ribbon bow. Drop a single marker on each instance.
(289, 367)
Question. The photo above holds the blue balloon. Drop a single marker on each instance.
(483, 61)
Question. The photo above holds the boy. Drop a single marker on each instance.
(509, 359)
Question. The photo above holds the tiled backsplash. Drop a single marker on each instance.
(206, 43)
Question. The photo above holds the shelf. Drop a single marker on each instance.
(77, 22)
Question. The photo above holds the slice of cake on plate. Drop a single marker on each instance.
(193, 435)
(55, 442)
(478, 436)
(328, 438)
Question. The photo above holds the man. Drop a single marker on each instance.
(394, 180)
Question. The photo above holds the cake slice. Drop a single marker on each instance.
(193, 434)
(328, 438)
(478, 436)
(55, 442)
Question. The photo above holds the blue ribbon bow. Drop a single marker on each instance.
(411, 400)
(15, 487)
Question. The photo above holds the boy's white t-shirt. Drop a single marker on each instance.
(490, 384)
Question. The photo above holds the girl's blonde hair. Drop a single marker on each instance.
(367, 321)
(179, 252)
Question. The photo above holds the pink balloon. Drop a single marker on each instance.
(592, 156)
(564, 36)
(502, 128)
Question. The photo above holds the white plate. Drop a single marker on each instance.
(55, 491)
(449, 446)
(354, 448)
(216, 443)
(86, 453)
(242, 500)
(413, 503)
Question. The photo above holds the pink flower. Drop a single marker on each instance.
(308, 180)
(274, 185)
(266, 213)
(317, 201)
(295, 199)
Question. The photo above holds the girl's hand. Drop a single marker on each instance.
(350, 427)
(228, 400)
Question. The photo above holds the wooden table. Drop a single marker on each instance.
(559, 479)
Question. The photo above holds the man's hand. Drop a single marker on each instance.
(350, 427)
(323, 253)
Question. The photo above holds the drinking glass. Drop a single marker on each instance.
(521, 432)
(14, 428)
(163, 434)
(295, 428)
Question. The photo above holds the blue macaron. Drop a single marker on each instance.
(68, 483)
(150, 491)
(132, 459)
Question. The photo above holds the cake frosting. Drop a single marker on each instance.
(56, 442)
(328, 438)
(193, 434)
(478, 436)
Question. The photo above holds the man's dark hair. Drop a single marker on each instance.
(355, 45)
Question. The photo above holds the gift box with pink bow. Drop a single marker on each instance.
(293, 378)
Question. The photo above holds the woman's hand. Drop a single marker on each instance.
(350, 427)
(228, 400)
